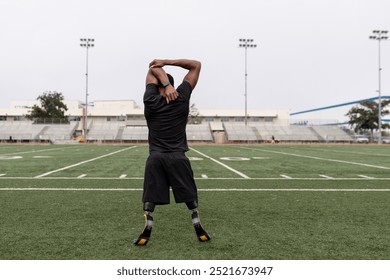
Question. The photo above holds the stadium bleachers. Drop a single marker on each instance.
(135, 133)
(285, 133)
(26, 131)
(118, 132)
(199, 132)
(58, 132)
(103, 131)
(239, 132)
(330, 133)
(21, 131)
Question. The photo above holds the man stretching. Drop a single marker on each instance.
(166, 113)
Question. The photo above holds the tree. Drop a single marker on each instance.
(52, 107)
(364, 116)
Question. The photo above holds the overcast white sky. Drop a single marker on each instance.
(310, 53)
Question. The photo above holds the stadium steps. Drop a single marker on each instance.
(41, 133)
(75, 126)
(257, 133)
(119, 135)
(226, 132)
(320, 138)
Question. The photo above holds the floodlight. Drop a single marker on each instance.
(246, 46)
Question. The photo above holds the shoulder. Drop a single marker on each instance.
(151, 91)
(184, 87)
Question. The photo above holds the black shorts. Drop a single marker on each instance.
(165, 170)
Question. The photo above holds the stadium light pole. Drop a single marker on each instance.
(379, 35)
(246, 43)
(86, 43)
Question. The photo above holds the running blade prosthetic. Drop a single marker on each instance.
(200, 232)
(145, 235)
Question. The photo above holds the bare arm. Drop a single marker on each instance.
(157, 75)
(193, 67)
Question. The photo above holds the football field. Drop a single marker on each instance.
(289, 202)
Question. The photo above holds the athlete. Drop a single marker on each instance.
(166, 112)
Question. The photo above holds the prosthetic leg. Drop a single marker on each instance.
(147, 231)
(199, 230)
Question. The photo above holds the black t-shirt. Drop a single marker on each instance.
(167, 122)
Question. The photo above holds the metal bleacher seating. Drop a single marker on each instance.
(199, 132)
(135, 133)
(27, 131)
(239, 132)
(331, 133)
(233, 131)
(55, 132)
(287, 132)
(103, 131)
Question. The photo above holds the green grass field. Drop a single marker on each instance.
(297, 202)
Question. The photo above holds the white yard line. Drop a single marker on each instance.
(205, 190)
(349, 152)
(326, 176)
(82, 162)
(37, 151)
(201, 178)
(319, 158)
(224, 165)
(285, 176)
(68, 189)
(366, 177)
(295, 190)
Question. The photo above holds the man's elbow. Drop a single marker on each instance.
(197, 64)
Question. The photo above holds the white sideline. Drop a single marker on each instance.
(82, 162)
(319, 158)
(325, 176)
(366, 177)
(220, 163)
(204, 190)
(35, 151)
(360, 178)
